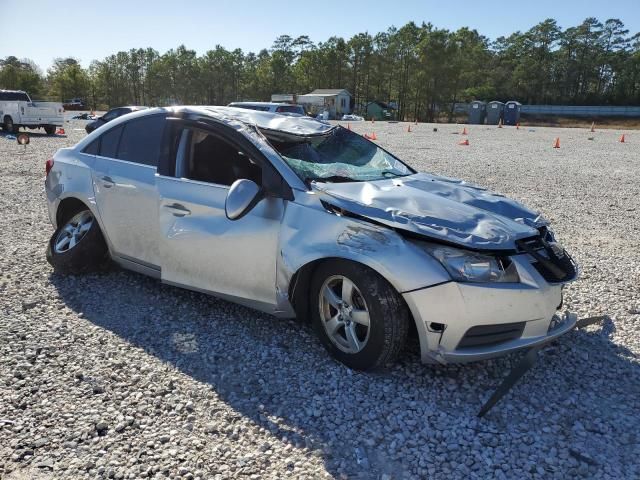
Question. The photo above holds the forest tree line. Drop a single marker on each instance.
(423, 69)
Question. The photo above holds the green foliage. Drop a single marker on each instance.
(21, 75)
(422, 69)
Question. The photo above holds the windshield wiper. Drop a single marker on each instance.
(331, 179)
(391, 172)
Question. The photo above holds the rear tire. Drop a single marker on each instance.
(49, 129)
(344, 297)
(9, 126)
(77, 246)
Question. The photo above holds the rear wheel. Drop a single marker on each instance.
(77, 246)
(49, 129)
(360, 318)
(9, 126)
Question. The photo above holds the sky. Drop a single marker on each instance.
(45, 29)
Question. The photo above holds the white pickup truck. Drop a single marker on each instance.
(17, 110)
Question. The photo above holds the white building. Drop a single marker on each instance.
(337, 101)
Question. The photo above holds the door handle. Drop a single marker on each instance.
(108, 182)
(178, 210)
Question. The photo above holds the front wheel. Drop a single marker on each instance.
(360, 318)
(78, 246)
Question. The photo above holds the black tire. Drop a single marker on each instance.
(388, 315)
(49, 129)
(88, 255)
(9, 126)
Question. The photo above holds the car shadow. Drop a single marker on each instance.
(364, 425)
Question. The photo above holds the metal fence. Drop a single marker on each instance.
(568, 110)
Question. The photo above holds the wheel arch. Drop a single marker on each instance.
(300, 284)
(68, 207)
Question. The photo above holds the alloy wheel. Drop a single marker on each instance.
(344, 314)
(74, 231)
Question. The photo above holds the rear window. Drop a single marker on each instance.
(111, 114)
(109, 142)
(260, 108)
(14, 96)
(141, 139)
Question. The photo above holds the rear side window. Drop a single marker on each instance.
(290, 109)
(93, 148)
(141, 139)
(109, 142)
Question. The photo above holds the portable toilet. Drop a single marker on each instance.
(477, 111)
(512, 112)
(494, 112)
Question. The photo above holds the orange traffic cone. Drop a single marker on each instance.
(500, 123)
(593, 126)
(464, 142)
(373, 136)
(556, 144)
(464, 131)
(622, 138)
(408, 128)
(60, 131)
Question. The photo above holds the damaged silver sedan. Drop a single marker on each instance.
(298, 218)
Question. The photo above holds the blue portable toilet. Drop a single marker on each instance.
(512, 112)
(477, 111)
(494, 112)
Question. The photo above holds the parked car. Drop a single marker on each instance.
(283, 108)
(74, 104)
(18, 110)
(111, 115)
(298, 218)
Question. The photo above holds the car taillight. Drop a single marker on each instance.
(48, 166)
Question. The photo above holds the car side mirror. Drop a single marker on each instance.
(242, 197)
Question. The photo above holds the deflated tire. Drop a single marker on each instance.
(77, 246)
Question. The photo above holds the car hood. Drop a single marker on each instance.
(441, 208)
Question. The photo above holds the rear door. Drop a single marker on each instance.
(126, 194)
(200, 247)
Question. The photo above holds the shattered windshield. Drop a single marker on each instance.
(339, 156)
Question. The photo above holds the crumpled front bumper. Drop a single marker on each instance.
(445, 313)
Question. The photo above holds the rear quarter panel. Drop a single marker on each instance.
(70, 177)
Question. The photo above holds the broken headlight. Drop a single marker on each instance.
(468, 266)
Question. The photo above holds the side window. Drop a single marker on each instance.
(109, 142)
(141, 140)
(23, 97)
(206, 157)
(93, 148)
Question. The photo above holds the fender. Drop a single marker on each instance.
(405, 266)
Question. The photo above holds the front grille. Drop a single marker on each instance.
(484, 335)
(552, 262)
(566, 266)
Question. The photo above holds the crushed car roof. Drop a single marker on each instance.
(265, 120)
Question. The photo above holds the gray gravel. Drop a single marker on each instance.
(115, 375)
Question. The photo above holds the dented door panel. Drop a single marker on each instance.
(202, 249)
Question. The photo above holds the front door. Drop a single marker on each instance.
(200, 247)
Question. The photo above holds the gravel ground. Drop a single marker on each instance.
(115, 375)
